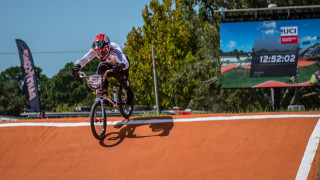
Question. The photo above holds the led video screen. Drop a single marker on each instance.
(282, 53)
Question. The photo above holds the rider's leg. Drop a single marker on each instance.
(130, 95)
(102, 68)
(122, 78)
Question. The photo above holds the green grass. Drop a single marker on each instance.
(146, 114)
(239, 77)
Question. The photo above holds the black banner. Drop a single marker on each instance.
(30, 79)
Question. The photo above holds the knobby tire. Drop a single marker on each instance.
(96, 121)
(125, 110)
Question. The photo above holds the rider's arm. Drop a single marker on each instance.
(121, 56)
(86, 58)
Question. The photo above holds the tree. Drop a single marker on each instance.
(15, 74)
(10, 101)
(174, 41)
(14, 77)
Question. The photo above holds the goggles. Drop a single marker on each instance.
(102, 52)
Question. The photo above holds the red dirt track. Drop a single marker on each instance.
(268, 148)
(301, 63)
(281, 84)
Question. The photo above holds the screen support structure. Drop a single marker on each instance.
(275, 94)
(256, 10)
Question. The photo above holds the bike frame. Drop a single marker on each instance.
(102, 96)
(101, 93)
(94, 82)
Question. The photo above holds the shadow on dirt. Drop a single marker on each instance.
(162, 124)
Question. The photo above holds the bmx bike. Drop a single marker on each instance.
(98, 116)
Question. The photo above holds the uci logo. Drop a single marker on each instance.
(289, 31)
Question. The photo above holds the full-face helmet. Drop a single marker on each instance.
(101, 44)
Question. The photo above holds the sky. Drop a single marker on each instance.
(63, 25)
(241, 35)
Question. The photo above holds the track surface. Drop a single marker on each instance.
(212, 146)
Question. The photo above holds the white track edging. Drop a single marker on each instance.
(48, 124)
(309, 153)
(153, 121)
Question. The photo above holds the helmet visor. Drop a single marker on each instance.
(97, 45)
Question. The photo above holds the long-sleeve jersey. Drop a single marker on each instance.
(116, 56)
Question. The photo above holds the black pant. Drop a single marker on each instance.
(121, 76)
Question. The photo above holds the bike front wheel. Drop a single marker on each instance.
(98, 121)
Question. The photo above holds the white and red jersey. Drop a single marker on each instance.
(114, 57)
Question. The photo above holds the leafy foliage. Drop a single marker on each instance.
(175, 42)
(15, 74)
(10, 101)
(12, 79)
(187, 56)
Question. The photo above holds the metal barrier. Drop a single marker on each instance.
(86, 114)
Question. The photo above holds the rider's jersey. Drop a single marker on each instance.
(313, 79)
(116, 56)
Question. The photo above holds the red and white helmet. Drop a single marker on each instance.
(101, 44)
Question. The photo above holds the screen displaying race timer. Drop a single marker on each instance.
(271, 53)
(277, 58)
(270, 58)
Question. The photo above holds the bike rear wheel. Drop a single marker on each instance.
(125, 109)
(98, 121)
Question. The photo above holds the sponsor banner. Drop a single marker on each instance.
(289, 35)
(29, 74)
(289, 31)
(289, 40)
(279, 53)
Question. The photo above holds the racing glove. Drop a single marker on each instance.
(75, 70)
(118, 67)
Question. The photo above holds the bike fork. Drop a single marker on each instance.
(103, 114)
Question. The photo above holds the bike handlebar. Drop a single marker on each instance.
(83, 75)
